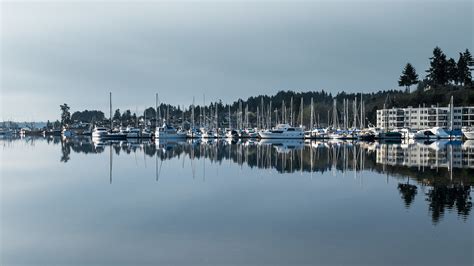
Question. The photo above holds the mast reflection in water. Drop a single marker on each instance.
(319, 192)
(444, 169)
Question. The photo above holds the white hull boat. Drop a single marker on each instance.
(282, 131)
(169, 132)
(469, 134)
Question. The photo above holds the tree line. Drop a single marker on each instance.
(442, 71)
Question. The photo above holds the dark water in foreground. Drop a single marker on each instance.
(75, 202)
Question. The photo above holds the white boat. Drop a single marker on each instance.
(99, 132)
(431, 133)
(133, 132)
(343, 134)
(104, 133)
(251, 133)
(316, 133)
(468, 133)
(440, 133)
(169, 132)
(282, 131)
(424, 134)
(209, 134)
(145, 133)
(406, 133)
(194, 133)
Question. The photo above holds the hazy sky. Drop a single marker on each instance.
(76, 53)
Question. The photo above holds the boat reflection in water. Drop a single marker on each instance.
(441, 171)
(275, 202)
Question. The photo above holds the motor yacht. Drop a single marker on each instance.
(169, 132)
(425, 134)
(99, 132)
(282, 131)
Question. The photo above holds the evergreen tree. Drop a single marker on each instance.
(470, 67)
(464, 74)
(469, 60)
(452, 71)
(126, 117)
(117, 115)
(150, 113)
(65, 114)
(408, 77)
(57, 124)
(437, 73)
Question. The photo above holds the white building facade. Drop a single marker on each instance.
(425, 117)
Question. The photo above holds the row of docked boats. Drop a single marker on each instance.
(283, 131)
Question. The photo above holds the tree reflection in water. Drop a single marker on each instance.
(441, 197)
(449, 185)
(408, 192)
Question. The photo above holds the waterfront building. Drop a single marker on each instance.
(425, 117)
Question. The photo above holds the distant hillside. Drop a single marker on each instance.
(463, 96)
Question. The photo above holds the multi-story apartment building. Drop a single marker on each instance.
(425, 117)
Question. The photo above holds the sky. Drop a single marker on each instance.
(77, 52)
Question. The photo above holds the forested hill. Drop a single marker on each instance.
(323, 105)
(463, 96)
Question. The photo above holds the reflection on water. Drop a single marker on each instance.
(444, 169)
(431, 179)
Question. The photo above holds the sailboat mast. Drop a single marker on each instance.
(283, 113)
(192, 115)
(159, 110)
(361, 112)
(110, 103)
(354, 110)
(204, 110)
(451, 110)
(291, 111)
(258, 117)
(230, 122)
(156, 110)
(301, 112)
(270, 115)
(217, 120)
(312, 114)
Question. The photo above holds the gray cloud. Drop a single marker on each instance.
(77, 52)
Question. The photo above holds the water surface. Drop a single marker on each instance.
(76, 202)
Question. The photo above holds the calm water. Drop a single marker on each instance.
(76, 202)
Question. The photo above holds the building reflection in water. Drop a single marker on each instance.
(442, 170)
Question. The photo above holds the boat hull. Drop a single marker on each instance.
(469, 134)
(270, 135)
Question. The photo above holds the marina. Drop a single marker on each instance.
(454, 123)
(236, 133)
